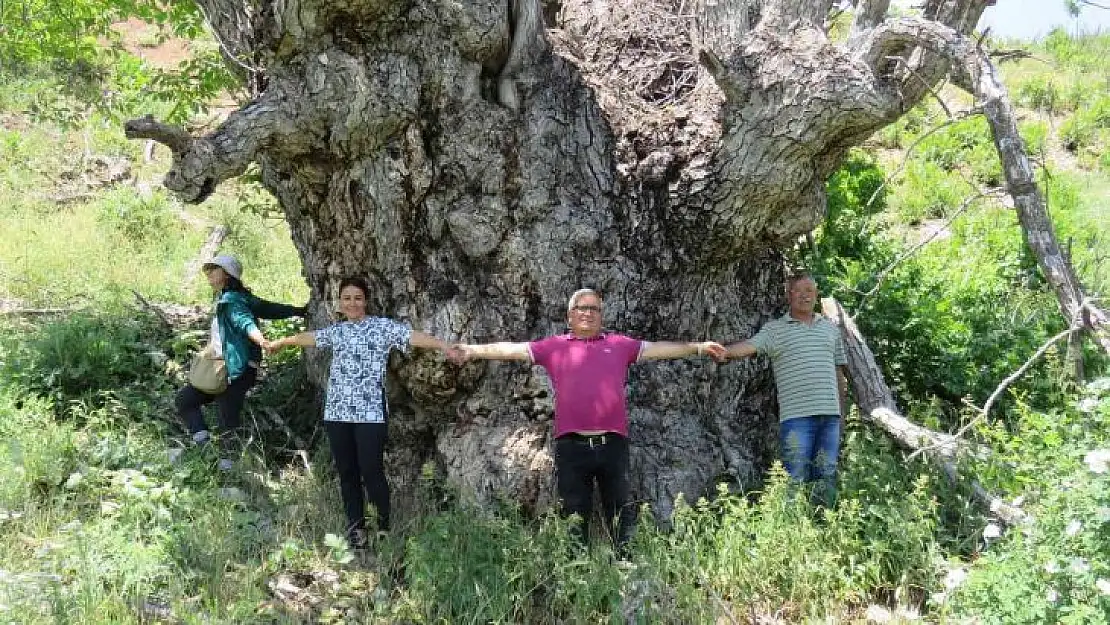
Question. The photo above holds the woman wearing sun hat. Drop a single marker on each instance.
(235, 339)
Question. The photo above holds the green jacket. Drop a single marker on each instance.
(236, 312)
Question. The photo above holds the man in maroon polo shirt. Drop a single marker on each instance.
(588, 370)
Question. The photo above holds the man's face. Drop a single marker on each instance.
(802, 296)
(584, 318)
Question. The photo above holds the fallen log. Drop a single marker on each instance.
(175, 316)
(207, 251)
(876, 403)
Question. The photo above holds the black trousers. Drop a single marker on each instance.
(580, 461)
(189, 401)
(359, 453)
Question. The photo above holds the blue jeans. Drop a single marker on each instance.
(810, 447)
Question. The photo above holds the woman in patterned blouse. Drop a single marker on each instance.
(355, 410)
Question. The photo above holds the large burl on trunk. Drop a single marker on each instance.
(479, 167)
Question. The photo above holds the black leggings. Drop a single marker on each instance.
(230, 403)
(359, 453)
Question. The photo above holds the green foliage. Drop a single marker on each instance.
(1086, 53)
(136, 217)
(1040, 93)
(79, 40)
(81, 356)
(937, 322)
(69, 33)
(1055, 569)
(929, 191)
(1088, 129)
(856, 192)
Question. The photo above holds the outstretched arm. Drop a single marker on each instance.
(497, 351)
(304, 339)
(741, 349)
(662, 350)
(427, 341)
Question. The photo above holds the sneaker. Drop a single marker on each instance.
(225, 465)
(202, 437)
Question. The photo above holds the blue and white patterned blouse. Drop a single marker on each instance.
(360, 354)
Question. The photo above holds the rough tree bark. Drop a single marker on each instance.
(478, 169)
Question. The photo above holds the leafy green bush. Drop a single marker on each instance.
(928, 192)
(142, 221)
(1086, 53)
(82, 356)
(1040, 93)
(1087, 127)
(966, 144)
(1055, 569)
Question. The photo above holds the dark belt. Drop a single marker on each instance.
(593, 440)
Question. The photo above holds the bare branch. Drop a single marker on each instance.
(913, 146)
(173, 137)
(984, 412)
(876, 402)
(1013, 377)
(882, 275)
(974, 71)
(201, 163)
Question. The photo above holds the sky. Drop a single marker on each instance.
(1030, 19)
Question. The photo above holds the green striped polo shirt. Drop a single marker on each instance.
(804, 359)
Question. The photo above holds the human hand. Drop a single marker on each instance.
(457, 354)
(714, 350)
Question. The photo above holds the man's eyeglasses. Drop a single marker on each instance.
(586, 309)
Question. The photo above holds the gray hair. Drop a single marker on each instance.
(578, 295)
(797, 277)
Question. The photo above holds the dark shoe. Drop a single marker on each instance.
(357, 539)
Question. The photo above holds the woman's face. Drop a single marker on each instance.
(352, 303)
(217, 277)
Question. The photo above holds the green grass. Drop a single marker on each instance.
(97, 249)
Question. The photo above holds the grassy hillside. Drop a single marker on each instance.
(107, 517)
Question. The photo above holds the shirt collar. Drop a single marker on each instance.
(571, 336)
(788, 319)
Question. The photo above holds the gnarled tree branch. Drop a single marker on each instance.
(146, 127)
(201, 163)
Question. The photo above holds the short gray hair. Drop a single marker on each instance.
(797, 277)
(578, 295)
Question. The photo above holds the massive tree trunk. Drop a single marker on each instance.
(478, 169)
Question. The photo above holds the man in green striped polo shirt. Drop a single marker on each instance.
(807, 356)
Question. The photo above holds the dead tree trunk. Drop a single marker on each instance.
(973, 71)
(207, 251)
(876, 403)
(478, 169)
